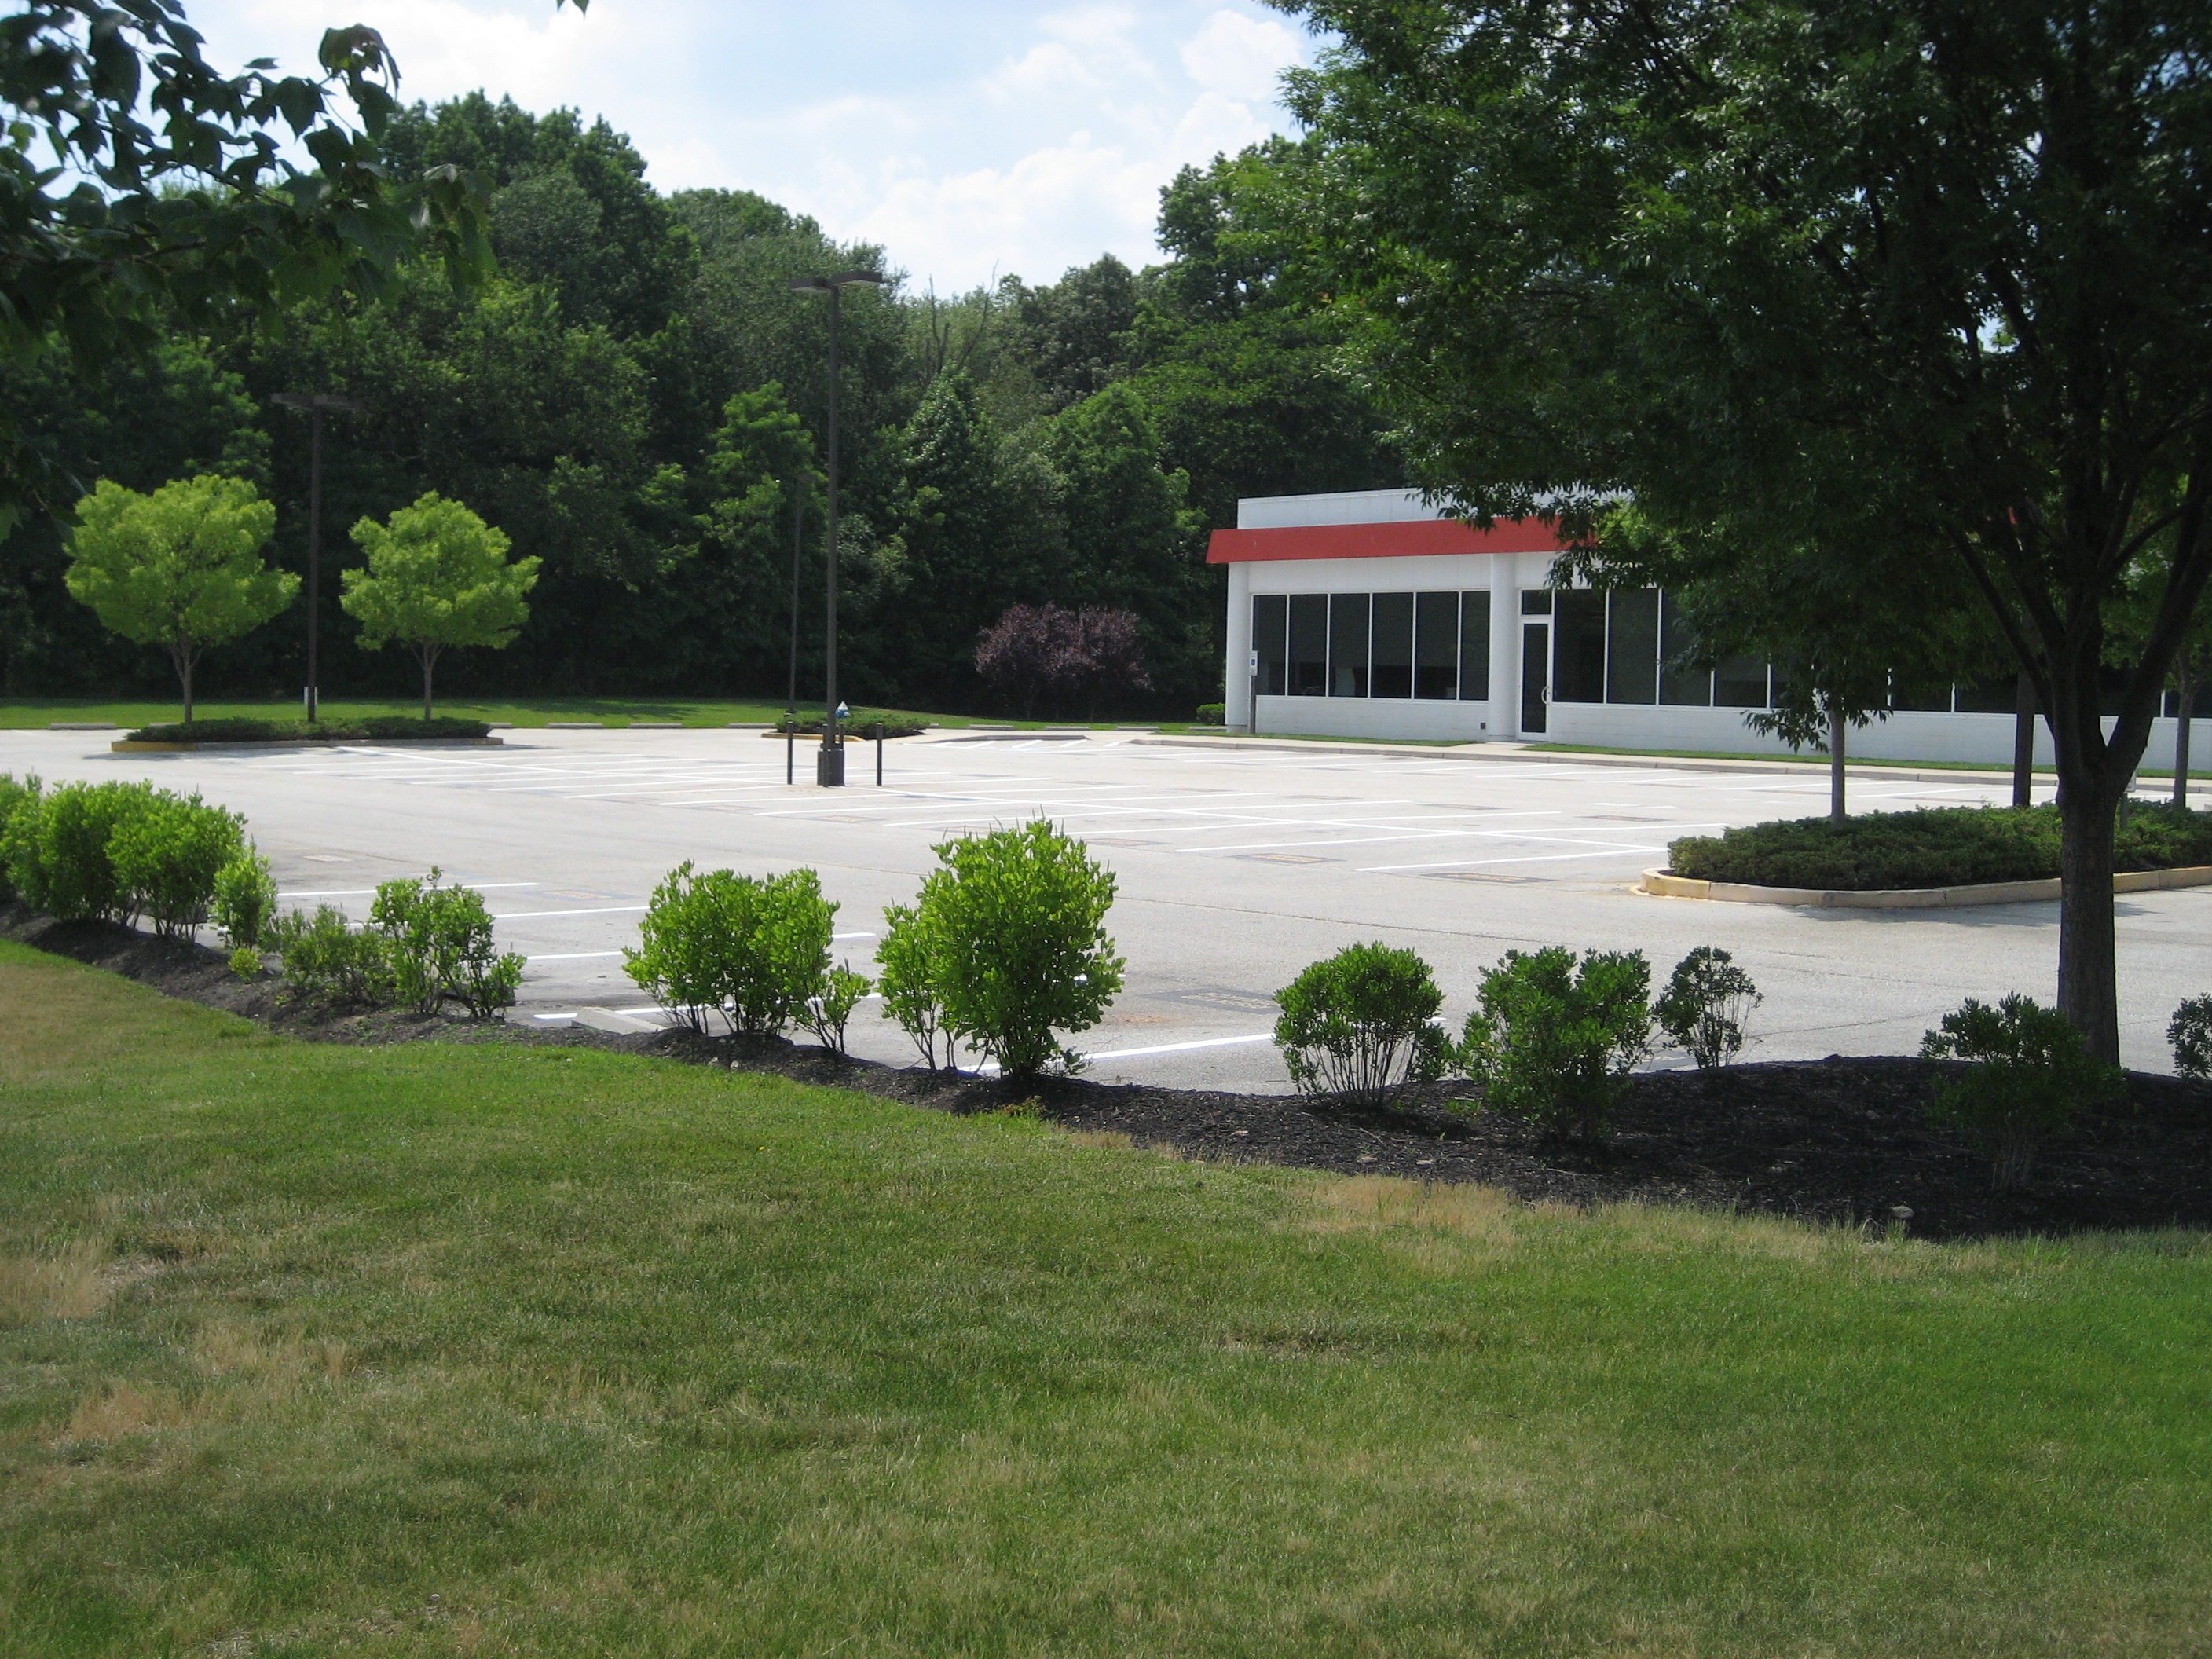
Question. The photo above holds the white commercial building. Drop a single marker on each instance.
(1367, 614)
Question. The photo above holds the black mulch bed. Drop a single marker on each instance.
(1841, 1140)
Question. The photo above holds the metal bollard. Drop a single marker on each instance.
(790, 752)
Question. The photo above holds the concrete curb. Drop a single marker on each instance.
(1660, 884)
(128, 748)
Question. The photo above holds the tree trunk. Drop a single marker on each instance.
(2023, 741)
(2187, 683)
(180, 655)
(1836, 726)
(429, 663)
(2088, 957)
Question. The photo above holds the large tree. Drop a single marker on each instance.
(140, 186)
(1750, 258)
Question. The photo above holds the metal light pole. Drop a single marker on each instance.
(314, 405)
(830, 765)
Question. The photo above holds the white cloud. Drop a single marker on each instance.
(969, 138)
(1241, 57)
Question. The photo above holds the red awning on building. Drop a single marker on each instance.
(1412, 538)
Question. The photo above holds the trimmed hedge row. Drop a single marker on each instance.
(1935, 847)
(377, 727)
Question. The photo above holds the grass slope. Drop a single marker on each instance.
(308, 1348)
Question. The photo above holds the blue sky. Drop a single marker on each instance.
(972, 138)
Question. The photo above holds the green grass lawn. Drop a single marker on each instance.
(314, 1349)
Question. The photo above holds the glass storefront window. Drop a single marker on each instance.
(1347, 645)
(1393, 646)
(1475, 648)
(1309, 645)
(1271, 640)
(1739, 683)
(1631, 649)
(1683, 688)
(1578, 646)
(1436, 645)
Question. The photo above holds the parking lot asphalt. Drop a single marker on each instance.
(1236, 867)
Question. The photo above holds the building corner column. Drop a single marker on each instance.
(1237, 679)
(1504, 646)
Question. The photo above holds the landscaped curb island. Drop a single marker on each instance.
(1663, 884)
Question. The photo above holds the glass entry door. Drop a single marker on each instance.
(1536, 675)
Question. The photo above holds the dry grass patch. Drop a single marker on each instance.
(71, 1281)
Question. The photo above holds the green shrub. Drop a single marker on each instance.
(2191, 1034)
(245, 901)
(385, 728)
(1552, 1043)
(326, 961)
(1020, 950)
(246, 729)
(1213, 713)
(1360, 1025)
(1936, 847)
(2028, 1072)
(829, 1009)
(909, 957)
(756, 951)
(75, 877)
(17, 798)
(167, 853)
(246, 962)
(438, 942)
(1707, 1006)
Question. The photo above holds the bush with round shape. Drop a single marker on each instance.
(1359, 1026)
(167, 853)
(907, 955)
(755, 951)
(245, 901)
(246, 963)
(2190, 1031)
(438, 941)
(326, 961)
(2028, 1072)
(1706, 1007)
(1020, 949)
(1552, 1041)
(72, 875)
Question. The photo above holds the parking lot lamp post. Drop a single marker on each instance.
(314, 405)
(830, 765)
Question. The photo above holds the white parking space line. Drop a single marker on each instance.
(604, 910)
(370, 892)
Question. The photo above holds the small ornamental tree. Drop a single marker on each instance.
(437, 577)
(1027, 653)
(1036, 651)
(180, 569)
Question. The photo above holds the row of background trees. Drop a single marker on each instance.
(632, 394)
